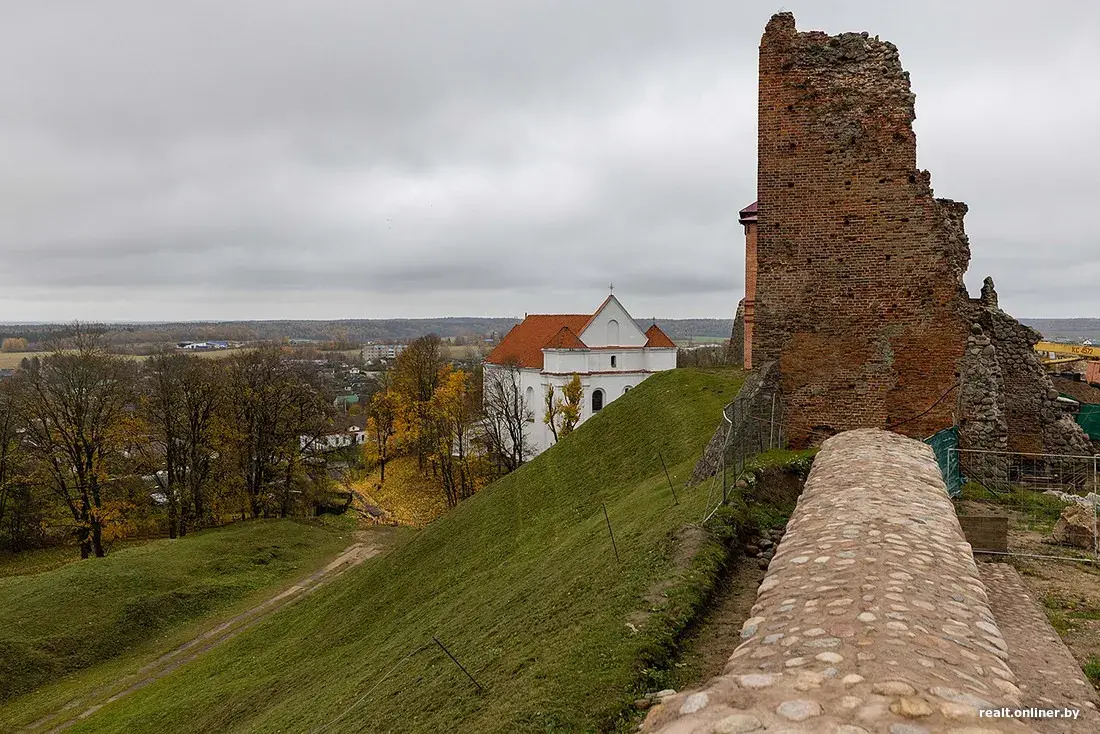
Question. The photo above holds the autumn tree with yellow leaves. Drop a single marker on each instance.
(383, 416)
(453, 410)
(563, 413)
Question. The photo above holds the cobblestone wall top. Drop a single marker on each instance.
(872, 616)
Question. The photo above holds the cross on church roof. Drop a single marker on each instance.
(611, 286)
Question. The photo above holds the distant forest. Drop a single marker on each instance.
(359, 331)
(353, 331)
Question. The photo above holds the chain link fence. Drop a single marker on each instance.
(1016, 503)
(754, 424)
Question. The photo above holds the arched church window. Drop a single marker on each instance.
(530, 398)
(612, 332)
(613, 360)
(597, 400)
(626, 389)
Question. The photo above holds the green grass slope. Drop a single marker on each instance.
(84, 613)
(520, 582)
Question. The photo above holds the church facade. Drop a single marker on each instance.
(606, 349)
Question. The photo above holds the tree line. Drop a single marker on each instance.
(93, 445)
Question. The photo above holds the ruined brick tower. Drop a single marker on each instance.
(859, 291)
(856, 269)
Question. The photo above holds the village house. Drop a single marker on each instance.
(606, 350)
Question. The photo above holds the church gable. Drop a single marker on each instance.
(612, 326)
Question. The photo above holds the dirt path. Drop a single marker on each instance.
(708, 648)
(369, 543)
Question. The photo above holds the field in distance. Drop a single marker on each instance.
(11, 360)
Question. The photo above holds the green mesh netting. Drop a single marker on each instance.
(941, 443)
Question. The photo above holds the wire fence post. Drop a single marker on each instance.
(611, 533)
(1095, 540)
(725, 450)
(460, 665)
(771, 428)
(661, 456)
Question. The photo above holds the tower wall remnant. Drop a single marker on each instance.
(858, 268)
(859, 289)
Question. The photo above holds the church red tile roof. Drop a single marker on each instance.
(657, 338)
(525, 342)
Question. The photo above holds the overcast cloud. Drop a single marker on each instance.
(266, 159)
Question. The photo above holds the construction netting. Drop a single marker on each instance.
(942, 444)
(1088, 417)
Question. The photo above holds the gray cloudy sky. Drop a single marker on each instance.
(322, 159)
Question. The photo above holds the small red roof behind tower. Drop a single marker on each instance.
(748, 214)
(657, 338)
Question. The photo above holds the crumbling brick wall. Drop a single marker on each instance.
(858, 268)
(860, 296)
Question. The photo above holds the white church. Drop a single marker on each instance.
(606, 349)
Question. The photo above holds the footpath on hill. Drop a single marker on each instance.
(369, 542)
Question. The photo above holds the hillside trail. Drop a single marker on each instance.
(369, 542)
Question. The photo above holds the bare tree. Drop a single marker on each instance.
(274, 413)
(309, 417)
(10, 439)
(181, 394)
(552, 407)
(506, 414)
(74, 407)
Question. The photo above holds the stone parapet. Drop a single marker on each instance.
(872, 616)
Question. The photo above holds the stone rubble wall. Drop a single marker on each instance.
(858, 268)
(982, 422)
(1037, 424)
(872, 616)
(754, 395)
(735, 351)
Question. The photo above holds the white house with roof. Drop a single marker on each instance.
(605, 349)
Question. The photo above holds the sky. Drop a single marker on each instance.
(266, 159)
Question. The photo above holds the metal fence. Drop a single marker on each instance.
(754, 424)
(1030, 491)
(1004, 471)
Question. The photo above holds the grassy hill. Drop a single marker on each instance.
(520, 582)
(73, 617)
